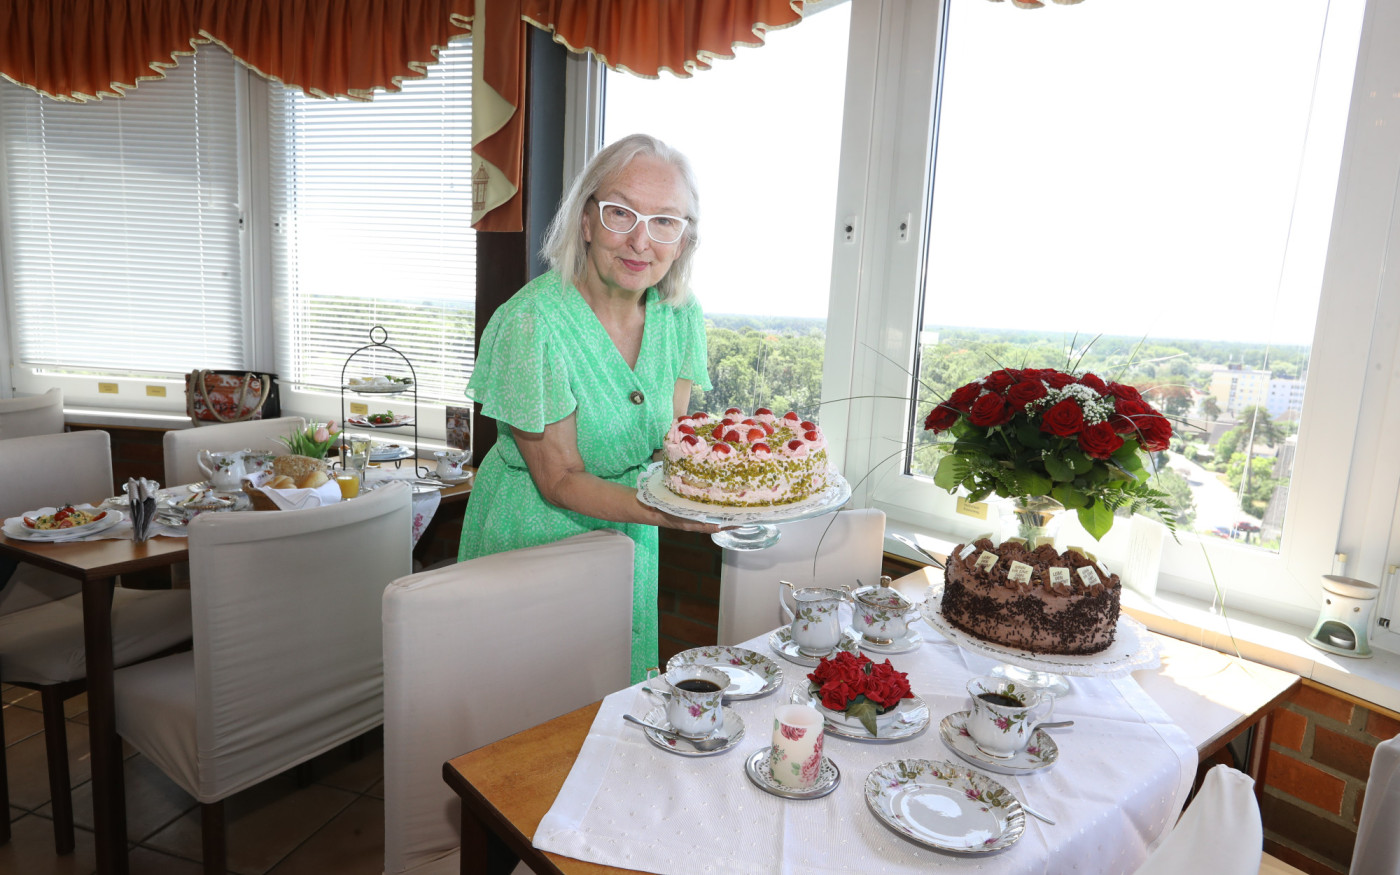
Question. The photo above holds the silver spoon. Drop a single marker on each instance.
(700, 744)
(1058, 724)
(909, 542)
(1036, 814)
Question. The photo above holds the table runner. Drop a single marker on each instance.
(1122, 776)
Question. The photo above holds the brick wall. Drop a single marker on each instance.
(1318, 762)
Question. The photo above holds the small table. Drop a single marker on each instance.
(507, 787)
(96, 564)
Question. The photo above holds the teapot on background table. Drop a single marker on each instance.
(225, 470)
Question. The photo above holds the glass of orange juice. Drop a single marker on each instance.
(349, 483)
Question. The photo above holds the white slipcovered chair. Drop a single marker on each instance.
(1220, 832)
(1378, 834)
(41, 613)
(287, 660)
(181, 446)
(833, 550)
(31, 415)
(562, 639)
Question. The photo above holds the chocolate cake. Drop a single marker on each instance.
(1039, 599)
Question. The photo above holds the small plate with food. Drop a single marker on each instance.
(387, 419)
(380, 385)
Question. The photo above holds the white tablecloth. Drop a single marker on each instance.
(1123, 774)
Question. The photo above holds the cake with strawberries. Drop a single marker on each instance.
(745, 460)
(1036, 599)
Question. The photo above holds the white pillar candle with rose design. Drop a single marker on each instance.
(796, 755)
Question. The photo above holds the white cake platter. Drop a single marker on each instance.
(1132, 648)
(753, 527)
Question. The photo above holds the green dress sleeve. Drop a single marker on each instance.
(695, 360)
(516, 378)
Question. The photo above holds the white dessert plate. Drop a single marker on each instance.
(912, 641)
(783, 645)
(750, 674)
(759, 768)
(18, 528)
(733, 728)
(911, 717)
(1039, 754)
(360, 420)
(944, 806)
(379, 388)
(389, 452)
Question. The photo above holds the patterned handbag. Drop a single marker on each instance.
(230, 396)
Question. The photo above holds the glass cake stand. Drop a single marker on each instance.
(1132, 649)
(753, 528)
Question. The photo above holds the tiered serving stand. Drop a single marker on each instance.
(379, 342)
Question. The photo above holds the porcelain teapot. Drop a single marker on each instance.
(224, 470)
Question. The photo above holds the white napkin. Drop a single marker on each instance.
(296, 499)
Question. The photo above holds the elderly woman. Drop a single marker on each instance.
(589, 364)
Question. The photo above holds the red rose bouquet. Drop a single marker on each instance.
(1041, 432)
(851, 683)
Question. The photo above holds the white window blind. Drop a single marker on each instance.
(123, 219)
(371, 204)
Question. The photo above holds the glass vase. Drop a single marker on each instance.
(1031, 517)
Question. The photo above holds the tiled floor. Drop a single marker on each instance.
(333, 825)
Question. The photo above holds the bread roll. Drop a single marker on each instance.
(281, 481)
(313, 480)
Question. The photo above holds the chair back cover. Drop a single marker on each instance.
(43, 471)
(1378, 834)
(287, 660)
(182, 446)
(31, 415)
(1219, 833)
(847, 546)
(484, 649)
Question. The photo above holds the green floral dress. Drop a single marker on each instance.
(545, 355)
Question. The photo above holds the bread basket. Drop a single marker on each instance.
(295, 467)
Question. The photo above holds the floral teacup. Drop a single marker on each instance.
(695, 700)
(1001, 722)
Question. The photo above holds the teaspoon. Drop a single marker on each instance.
(700, 744)
(1036, 814)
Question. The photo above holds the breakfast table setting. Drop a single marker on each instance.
(1093, 780)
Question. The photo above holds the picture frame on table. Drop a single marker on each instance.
(459, 428)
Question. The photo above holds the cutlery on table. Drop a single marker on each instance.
(909, 542)
(1036, 814)
(1056, 724)
(701, 744)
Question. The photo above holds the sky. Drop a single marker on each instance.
(1140, 162)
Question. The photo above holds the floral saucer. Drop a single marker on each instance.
(733, 727)
(908, 719)
(750, 674)
(759, 768)
(912, 640)
(943, 806)
(783, 645)
(1039, 754)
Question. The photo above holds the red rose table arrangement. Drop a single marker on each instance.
(850, 687)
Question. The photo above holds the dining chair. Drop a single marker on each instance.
(287, 660)
(1220, 832)
(41, 613)
(182, 446)
(484, 649)
(833, 550)
(31, 415)
(1377, 849)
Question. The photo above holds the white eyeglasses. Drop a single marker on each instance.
(621, 220)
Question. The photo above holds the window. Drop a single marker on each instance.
(371, 214)
(1021, 172)
(764, 134)
(122, 227)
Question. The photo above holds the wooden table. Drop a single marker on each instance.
(507, 787)
(96, 564)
